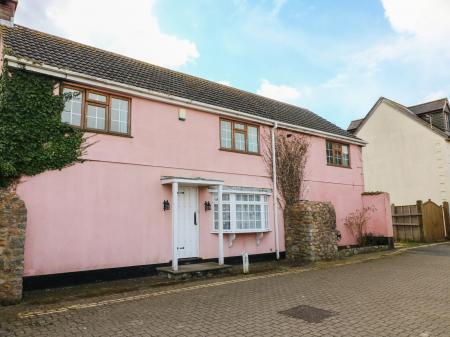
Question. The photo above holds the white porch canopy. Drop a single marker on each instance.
(177, 181)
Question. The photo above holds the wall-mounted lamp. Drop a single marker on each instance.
(182, 114)
(166, 205)
(207, 206)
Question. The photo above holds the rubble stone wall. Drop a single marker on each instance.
(13, 218)
(310, 231)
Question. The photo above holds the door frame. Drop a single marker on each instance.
(197, 210)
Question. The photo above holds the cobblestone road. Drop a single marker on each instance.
(402, 295)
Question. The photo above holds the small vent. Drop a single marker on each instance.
(308, 313)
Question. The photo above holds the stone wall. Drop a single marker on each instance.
(346, 252)
(310, 231)
(13, 218)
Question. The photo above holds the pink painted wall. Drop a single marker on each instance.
(380, 222)
(339, 185)
(107, 212)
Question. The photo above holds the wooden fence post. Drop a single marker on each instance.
(420, 218)
(394, 229)
(446, 218)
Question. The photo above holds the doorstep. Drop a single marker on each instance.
(189, 271)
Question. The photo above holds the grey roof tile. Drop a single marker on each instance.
(429, 106)
(354, 124)
(70, 55)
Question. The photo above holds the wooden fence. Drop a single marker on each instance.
(422, 222)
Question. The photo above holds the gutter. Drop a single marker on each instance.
(275, 192)
(69, 75)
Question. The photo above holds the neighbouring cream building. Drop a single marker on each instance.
(408, 154)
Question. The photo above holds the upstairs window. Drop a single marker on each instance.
(73, 107)
(338, 154)
(238, 136)
(96, 111)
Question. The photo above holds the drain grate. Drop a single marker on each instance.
(308, 313)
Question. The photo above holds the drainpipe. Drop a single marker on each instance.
(275, 192)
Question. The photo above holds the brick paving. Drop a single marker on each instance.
(402, 295)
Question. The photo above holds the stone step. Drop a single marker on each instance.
(190, 260)
(195, 270)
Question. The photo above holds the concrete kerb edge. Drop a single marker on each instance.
(293, 270)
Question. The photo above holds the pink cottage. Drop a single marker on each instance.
(171, 151)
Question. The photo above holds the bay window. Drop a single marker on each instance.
(242, 211)
(239, 136)
(96, 111)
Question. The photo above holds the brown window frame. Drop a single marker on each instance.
(241, 131)
(86, 101)
(337, 147)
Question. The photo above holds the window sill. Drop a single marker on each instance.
(341, 166)
(240, 152)
(100, 132)
(242, 231)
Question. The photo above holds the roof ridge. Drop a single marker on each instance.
(356, 120)
(436, 100)
(228, 87)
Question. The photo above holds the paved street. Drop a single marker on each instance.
(401, 295)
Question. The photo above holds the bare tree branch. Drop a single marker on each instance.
(356, 222)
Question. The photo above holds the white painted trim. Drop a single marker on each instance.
(226, 190)
(259, 237)
(174, 226)
(231, 238)
(9, 23)
(198, 220)
(73, 76)
(219, 202)
(197, 210)
(275, 193)
(243, 231)
(193, 182)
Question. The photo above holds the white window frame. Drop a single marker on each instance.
(264, 204)
(79, 98)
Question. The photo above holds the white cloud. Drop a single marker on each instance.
(435, 95)
(406, 65)
(224, 83)
(422, 30)
(338, 81)
(280, 92)
(129, 29)
(424, 19)
(277, 6)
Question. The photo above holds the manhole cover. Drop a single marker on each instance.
(308, 313)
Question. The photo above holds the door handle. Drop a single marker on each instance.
(195, 218)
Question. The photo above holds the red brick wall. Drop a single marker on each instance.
(7, 9)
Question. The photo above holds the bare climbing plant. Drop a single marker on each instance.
(291, 154)
(356, 222)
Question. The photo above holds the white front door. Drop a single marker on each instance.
(187, 240)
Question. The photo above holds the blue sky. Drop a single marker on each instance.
(333, 57)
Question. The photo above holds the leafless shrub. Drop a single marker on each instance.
(356, 222)
(291, 155)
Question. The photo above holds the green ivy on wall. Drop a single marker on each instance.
(32, 137)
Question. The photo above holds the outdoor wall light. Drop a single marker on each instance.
(207, 206)
(166, 205)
